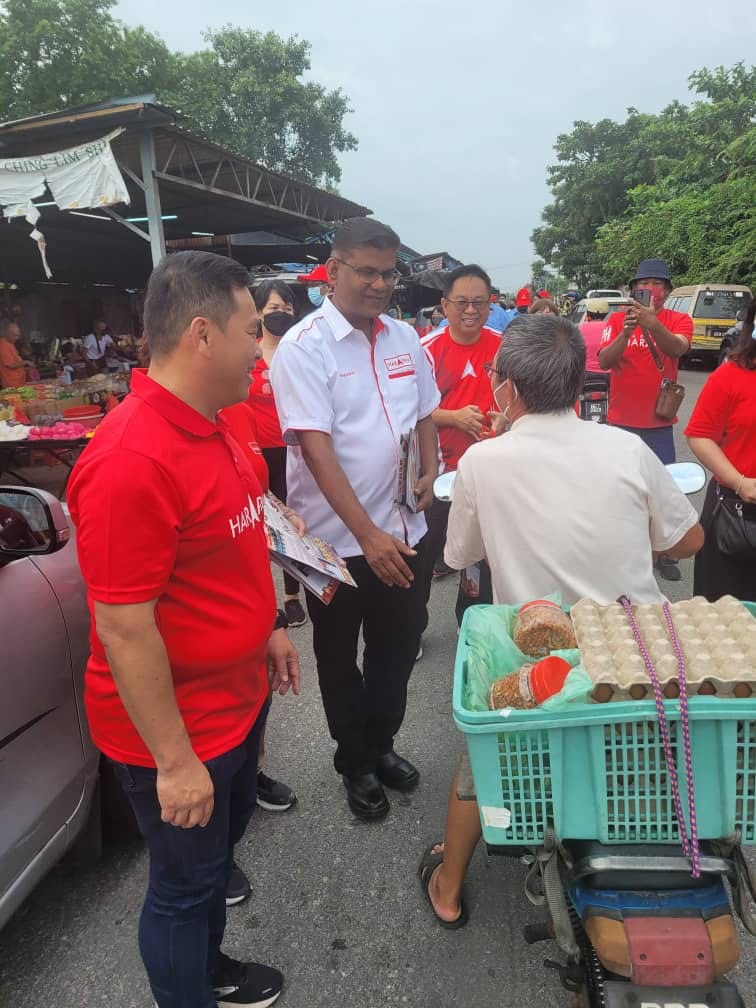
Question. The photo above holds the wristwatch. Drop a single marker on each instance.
(281, 622)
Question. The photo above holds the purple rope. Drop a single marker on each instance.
(689, 844)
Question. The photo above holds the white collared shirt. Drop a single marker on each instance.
(328, 377)
(562, 504)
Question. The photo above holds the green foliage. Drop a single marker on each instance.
(680, 184)
(244, 91)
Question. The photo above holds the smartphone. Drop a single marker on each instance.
(642, 297)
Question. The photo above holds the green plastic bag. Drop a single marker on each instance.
(492, 653)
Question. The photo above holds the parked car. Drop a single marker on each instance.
(713, 308)
(615, 304)
(53, 783)
(604, 294)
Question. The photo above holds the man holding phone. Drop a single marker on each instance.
(642, 348)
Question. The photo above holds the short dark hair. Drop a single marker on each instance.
(264, 291)
(358, 232)
(544, 355)
(183, 286)
(471, 270)
(745, 354)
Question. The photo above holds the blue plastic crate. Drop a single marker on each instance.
(598, 771)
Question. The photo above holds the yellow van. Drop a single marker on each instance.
(713, 308)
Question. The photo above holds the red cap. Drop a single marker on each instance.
(318, 275)
(544, 294)
(523, 296)
(547, 677)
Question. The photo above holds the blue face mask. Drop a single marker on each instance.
(316, 298)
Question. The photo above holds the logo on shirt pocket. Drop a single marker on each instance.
(399, 366)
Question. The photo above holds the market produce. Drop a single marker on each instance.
(542, 626)
(718, 641)
(530, 685)
(58, 432)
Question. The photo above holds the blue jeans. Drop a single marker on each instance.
(184, 914)
(661, 440)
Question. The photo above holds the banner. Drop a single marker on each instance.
(78, 178)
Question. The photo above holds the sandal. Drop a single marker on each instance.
(428, 864)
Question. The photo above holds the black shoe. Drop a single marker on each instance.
(396, 772)
(272, 795)
(365, 795)
(669, 569)
(250, 985)
(238, 888)
(295, 614)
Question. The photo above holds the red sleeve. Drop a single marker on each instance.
(128, 514)
(682, 325)
(712, 410)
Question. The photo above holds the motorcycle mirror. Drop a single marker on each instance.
(443, 486)
(689, 477)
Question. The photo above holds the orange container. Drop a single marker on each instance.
(547, 677)
(88, 412)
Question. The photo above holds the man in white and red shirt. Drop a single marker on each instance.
(168, 511)
(458, 354)
(349, 382)
(636, 377)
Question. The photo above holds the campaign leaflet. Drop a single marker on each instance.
(410, 470)
(311, 561)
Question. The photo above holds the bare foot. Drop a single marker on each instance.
(445, 909)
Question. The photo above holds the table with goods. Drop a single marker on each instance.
(50, 423)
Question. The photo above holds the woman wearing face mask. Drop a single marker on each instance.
(722, 435)
(557, 505)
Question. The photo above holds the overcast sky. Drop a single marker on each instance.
(457, 103)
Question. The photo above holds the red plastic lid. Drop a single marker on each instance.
(539, 602)
(547, 677)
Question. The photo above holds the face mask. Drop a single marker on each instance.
(278, 322)
(316, 298)
(658, 297)
(505, 412)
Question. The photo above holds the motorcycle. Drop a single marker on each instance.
(640, 925)
(593, 401)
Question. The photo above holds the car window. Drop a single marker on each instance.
(23, 522)
(720, 304)
(683, 303)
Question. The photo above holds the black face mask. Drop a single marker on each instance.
(278, 322)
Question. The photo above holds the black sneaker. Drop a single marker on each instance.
(272, 795)
(250, 985)
(295, 614)
(238, 888)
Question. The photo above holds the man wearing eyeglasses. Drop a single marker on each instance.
(458, 354)
(349, 382)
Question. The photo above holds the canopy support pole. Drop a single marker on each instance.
(152, 195)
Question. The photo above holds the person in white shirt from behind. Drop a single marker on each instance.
(555, 505)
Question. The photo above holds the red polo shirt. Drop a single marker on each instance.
(167, 507)
(636, 380)
(459, 371)
(264, 405)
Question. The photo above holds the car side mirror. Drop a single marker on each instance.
(32, 522)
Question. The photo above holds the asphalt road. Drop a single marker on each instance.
(336, 903)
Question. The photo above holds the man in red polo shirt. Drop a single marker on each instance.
(641, 347)
(170, 537)
(458, 355)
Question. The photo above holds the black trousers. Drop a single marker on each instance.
(437, 517)
(365, 707)
(276, 461)
(715, 575)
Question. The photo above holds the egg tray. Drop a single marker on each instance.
(718, 641)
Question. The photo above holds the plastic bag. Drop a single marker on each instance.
(491, 653)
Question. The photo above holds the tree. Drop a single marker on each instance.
(244, 91)
(680, 183)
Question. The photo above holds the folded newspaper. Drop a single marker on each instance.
(310, 560)
(410, 470)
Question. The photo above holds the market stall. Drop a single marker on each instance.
(50, 423)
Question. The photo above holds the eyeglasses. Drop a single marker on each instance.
(477, 303)
(369, 276)
(491, 371)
